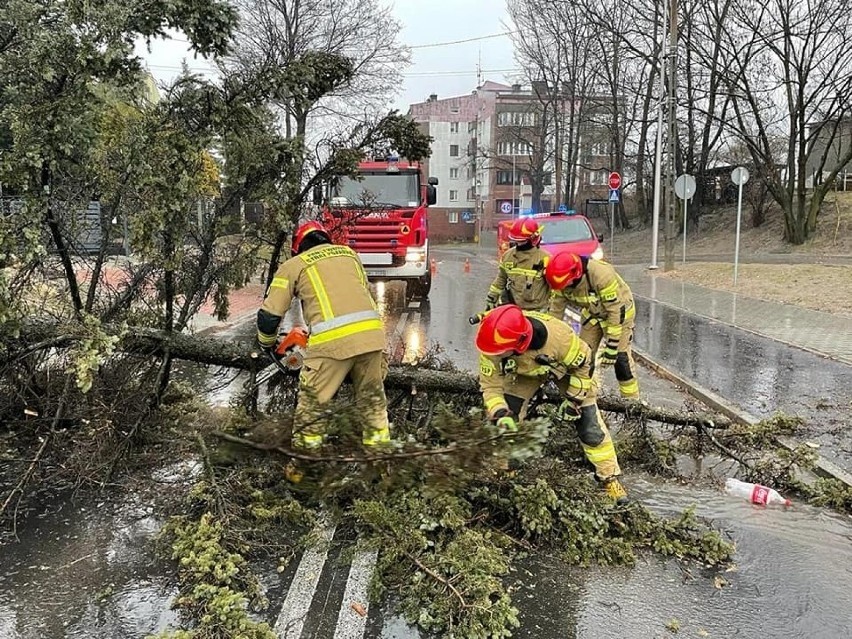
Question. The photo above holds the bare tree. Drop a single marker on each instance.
(789, 76)
(703, 103)
(334, 63)
(563, 68)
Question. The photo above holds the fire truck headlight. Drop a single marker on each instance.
(597, 254)
(417, 254)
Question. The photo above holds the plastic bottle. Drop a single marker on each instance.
(755, 493)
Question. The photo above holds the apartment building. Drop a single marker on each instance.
(495, 158)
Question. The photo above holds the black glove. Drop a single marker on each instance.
(609, 353)
(264, 348)
(491, 302)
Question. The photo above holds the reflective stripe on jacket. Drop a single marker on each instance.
(336, 302)
(562, 345)
(522, 274)
(602, 297)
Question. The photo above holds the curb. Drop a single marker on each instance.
(823, 466)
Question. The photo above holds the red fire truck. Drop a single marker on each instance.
(381, 214)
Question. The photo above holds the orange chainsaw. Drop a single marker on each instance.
(288, 354)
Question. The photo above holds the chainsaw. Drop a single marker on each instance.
(288, 354)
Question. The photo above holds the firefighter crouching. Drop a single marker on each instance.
(520, 279)
(509, 340)
(346, 333)
(606, 309)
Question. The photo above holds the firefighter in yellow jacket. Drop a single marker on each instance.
(520, 279)
(519, 350)
(606, 311)
(346, 333)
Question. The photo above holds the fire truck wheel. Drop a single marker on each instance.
(420, 288)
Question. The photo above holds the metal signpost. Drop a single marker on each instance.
(739, 176)
(614, 185)
(685, 189)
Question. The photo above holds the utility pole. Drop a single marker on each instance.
(512, 149)
(670, 195)
(658, 149)
(476, 182)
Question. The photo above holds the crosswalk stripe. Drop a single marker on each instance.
(291, 619)
(351, 624)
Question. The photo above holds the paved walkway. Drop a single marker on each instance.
(827, 334)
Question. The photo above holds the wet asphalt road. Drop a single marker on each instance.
(81, 574)
(758, 374)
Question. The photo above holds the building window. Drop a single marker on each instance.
(454, 109)
(547, 179)
(601, 149)
(454, 150)
(513, 148)
(505, 177)
(517, 118)
(454, 173)
(599, 178)
(471, 194)
(471, 127)
(454, 196)
(453, 216)
(454, 127)
(471, 173)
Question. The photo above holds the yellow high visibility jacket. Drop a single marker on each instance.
(601, 295)
(336, 302)
(562, 345)
(522, 273)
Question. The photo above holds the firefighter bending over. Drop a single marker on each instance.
(606, 310)
(520, 279)
(510, 340)
(346, 333)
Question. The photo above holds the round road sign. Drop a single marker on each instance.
(614, 181)
(505, 207)
(685, 186)
(739, 175)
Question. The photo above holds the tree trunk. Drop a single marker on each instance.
(205, 349)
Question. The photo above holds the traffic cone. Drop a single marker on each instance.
(467, 265)
(433, 266)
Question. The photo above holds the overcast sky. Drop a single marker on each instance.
(446, 69)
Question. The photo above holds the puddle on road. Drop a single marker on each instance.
(84, 572)
(792, 580)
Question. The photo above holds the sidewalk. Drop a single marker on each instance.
(826, 334)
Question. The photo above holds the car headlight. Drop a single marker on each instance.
(415, 255)
(597, 254)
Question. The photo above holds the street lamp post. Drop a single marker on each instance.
(672, 132)
(513, 184)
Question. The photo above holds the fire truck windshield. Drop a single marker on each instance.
(377, 190)
(563, 231)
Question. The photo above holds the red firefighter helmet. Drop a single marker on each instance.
(562, 269)
(525, 229)
(303, 231)
(504, 329)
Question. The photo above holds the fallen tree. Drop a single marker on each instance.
(213, 351)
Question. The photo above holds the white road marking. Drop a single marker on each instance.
(350, 624)
(291, 619)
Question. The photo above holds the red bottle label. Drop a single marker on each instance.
(760, 495)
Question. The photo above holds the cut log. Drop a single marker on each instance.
(210, 350)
